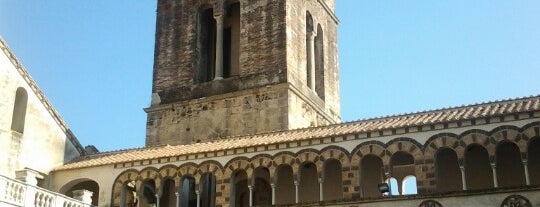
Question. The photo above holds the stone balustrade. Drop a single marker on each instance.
(14, 193)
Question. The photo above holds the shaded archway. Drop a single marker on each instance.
(402, 165)
(83, 184)
(207, 45)
(231, 40)
(148, 194)
(533, 154)
(239, 189)
(510, 170)
(284, 185)
(447, 172)
(309, 183)
(188, 196)
(128, 194)
(371, 174)
(262, 191)
(332, 180)
(207, 189)
(167, 194)
(478, 172)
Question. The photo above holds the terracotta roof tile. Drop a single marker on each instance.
(499, 108)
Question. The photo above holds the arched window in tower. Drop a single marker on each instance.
(533, 162)
(231, 41)
(262, 191)
(309, 183)
(206, 45)
(284, 185)
(207, 189)
(148, 197)
(188, 196)
(319, 62)
(310, 50)
(447, 172)
(19, 110)
(239, 189)
(478, 172)
(167, 196)
(402, 166)
(332, 180)
(510, 170)
(371, 174)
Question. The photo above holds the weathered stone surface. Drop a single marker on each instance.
(272, 64)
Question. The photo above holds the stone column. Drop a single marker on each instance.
(177, 198)
(273, 193)
(463, 178)
(157, 200)
(250, 187)
(494, 170)
(219, 46)
(83, 195)
(296, 197)
(138, 200)
(321, 189)
(526, 168)
(311, 59)
(198, 198)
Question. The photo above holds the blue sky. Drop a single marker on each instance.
(93, 59)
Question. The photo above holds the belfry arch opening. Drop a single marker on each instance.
(533, 162)
(206, 45)
(231, 40)
(239, 189)
(262, 191)
(332, 180)
(188, 196)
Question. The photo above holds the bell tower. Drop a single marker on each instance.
(226, 68)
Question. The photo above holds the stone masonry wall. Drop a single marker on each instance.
(245, 112)
(296, 51)
(262, 48)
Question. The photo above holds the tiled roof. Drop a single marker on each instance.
(491, 109)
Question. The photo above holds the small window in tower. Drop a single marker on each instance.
(309, 51)
(231, 41)
(19, 110)
(319, 62)
(206, 46)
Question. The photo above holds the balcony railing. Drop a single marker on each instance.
(19, 194)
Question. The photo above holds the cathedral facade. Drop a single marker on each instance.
(245, 112)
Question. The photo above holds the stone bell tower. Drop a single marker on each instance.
(224, 68)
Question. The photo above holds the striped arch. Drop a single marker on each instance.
(443, 140)
(149, 173)
(236, 164)
(338, 153)
(529, 132)
(211, 167)
(123, 178)
(189, 169)
(511, 134)
(369, 148)
(286, 158)
(480, 137)
(309, 155)
(404, 144)
(263, 160)
(169, 172)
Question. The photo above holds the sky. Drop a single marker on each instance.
(93, 59)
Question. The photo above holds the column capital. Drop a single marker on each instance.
(461, 167)
(250, 187)
(219, 18)
(493, 165)
(272, 185)
(197, 192)
(177, 194)
(321, 180)
(525, 162)
(296, 183)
